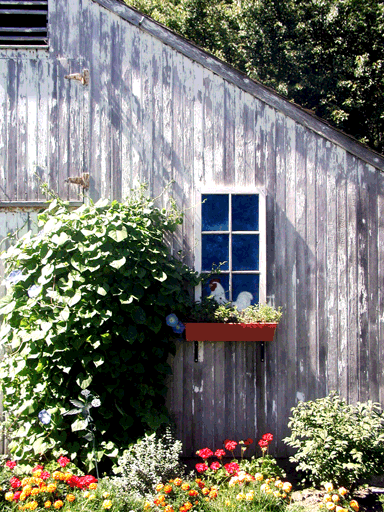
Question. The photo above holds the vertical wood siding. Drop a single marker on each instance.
(152, 114)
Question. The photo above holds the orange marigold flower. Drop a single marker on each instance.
(343, 491)
(177, 481)
(182, 509)
(159, 487)
(58, 504)
(168, 508)
(93, 486)
(70, 497)
(193, 492)
(205, 491)
(37, 473)
(167, 489)
(47, 504)
(185, 487)
(213, 494)
(147, 505)
(188, 505)
(33, 505)
(51, 487)
(35, 491)
(9, 496)
(353, 504)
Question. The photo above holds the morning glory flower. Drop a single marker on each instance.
(171, 320)
(34, 291)
(85, 392)
(95, 402)
(44, 417)
(179, 328)
(14, 277)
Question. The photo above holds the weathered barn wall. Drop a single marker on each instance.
(152, 113)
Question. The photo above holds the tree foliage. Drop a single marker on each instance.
(326, 55)
(86, 306)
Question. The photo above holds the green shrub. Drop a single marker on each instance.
(152, 460)
(337, 442)
(86, 306)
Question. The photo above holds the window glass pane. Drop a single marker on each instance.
(215, 212)
(245, 283)
(222, 289)
(245, 252)
(245, 212)
(215, 250)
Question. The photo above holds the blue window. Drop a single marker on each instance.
(231, 238)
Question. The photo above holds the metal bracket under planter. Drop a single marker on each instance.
(229, 332)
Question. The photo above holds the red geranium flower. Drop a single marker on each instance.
(37, 467)
(230, 445)
(15, 482)
(220, 454)
(205, 453)
(200, 468)
(63, 461)
(263, 443)
(16, 496)
(248, 441)
(215, 465)
(45, 475)
(11, 464)
(232, 467)
(267, 437)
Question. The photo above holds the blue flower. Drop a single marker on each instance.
(171, 320)
(34, 291)
(44, 417)
(14, 277)
(179, 328)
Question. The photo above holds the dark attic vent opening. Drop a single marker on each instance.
(23, 23)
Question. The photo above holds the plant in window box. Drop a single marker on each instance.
(214, 322)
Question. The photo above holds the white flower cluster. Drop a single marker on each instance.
(151, 460)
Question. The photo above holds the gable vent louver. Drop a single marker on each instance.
(23, 23)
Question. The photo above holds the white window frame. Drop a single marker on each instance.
(262, 272)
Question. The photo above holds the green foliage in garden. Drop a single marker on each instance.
(326, 55)
(86, 306)
(337, 442)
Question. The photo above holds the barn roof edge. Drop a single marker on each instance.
(241, 80)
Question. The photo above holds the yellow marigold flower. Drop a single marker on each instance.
(93, 486)
(330, 505)
(188, 505)
(9, 496)
(227, 503)
(70, 497)
(106, 494)
(27, 489)
(240, 496)
(161, 498)
(107, 504)
(57, 476)
(276, 494)
(23, 496)
(33, 505)
(259, 477)
(169, 508)
(25, 481)
(205, 491)
(167, 489)
(328, 487)
(147, 505)
(278, 483)
(341, 509)
(47, 504)
(213, 494)
(51, 487)
(35, 491)
(177, 481)
(264, 487)
(185, 487)
(159, 487)
(335, 498)
(86, 494)
(92, 497)
(37, 473)
(353, 504)
(249, 496)
(343, 491)
(67, 476)
(283, 495)
(43, 488)
(327, 497)
(58, 504)
(287, 487)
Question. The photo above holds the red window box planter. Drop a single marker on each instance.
(229, 332)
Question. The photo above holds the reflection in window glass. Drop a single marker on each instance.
(248, 283)
(215, 212)
(215, 250)
(245, 252)
(245, 212)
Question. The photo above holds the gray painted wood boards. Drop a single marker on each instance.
(156, 109)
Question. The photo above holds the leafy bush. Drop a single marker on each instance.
(86, 306)
(337, 442)
(153, 459)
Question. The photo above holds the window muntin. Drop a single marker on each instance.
(232, 232)
(24, 23)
